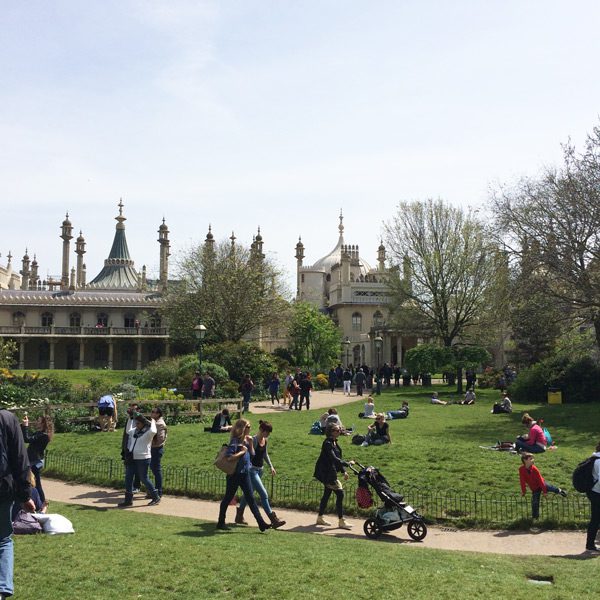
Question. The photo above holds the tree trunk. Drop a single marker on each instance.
(459, 380)
(596, 322)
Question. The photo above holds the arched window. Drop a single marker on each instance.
(47, 319)
(356, 321)
(18, 319)
(101, 320)
(377, 318)
(154, 320)
(75, 320)
(129, 320)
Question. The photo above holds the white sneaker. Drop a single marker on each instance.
(322, 521)
(365, 444)
(343, 524)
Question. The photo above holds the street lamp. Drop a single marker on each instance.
(346, 343)
(200, 332)
(378, 341)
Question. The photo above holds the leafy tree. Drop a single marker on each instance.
(233, 291)
(314, 337)
(554, 221)
(8, 351)
(241, 358)
(445, 267)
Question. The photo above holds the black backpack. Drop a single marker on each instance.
(583, 475)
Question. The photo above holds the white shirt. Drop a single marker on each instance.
(141, 445)
(596, 474)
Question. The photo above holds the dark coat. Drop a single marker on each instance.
(14, 481)
(330, 462)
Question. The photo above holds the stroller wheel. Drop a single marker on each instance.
(417, 530)
(372, 529)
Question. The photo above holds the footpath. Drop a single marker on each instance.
(568, 544)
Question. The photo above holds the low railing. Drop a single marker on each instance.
(449, 505)
(83, 331)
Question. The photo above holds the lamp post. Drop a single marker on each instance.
(200, 332)
(378, 341)
(346, 343)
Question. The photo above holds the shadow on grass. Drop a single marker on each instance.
(356, 535)
(205, 530)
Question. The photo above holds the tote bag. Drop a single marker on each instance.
(221, 462)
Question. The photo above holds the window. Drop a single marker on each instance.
(129, 320)
(154, 320)
(47, 319)
(356, 321)
(101, 320)
(75, 320)
(18, 319)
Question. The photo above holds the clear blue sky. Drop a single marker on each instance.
(276, 113)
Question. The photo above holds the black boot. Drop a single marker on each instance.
(128, 500)
(155, 499)
(239, 517)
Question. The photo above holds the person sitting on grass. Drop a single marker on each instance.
(369, 409)
(221, 422)
(529, 475)
(504, 407)
(379, 432)
(436, 400)
(399, 414)
(331, 416)
(534, 441)
(469, 397)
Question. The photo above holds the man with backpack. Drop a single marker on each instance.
(14, 485)
(586, 478)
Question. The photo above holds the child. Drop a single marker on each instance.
(530, 475)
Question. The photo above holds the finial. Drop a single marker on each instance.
(120, 207)
(9, 256)
(232, 238)
(341, 225)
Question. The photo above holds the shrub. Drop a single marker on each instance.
(321, 382)
(490, 378)
(239, 358)
(577, 379)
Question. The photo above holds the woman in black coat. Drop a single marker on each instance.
(328, 465)
(38, 440)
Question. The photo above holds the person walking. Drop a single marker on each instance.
(157, 449)
(38, 441)
(208, 386)
(274, 388)
(294, 394)
(332, 379)
(529, 475)
(246, 388)
(328, 465)
(129, 423)
(347, 377)
(197, 385)
(261, 456)
(305, 390)
(15, 467)
(240, 449)
(139, 444)
(594, 498)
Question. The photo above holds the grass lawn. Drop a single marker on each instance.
(83, 376)
(436, 448)
(121, 554)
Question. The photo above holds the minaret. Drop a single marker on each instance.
(259, 245)
(66, 237)
(163, 240)
(299, 259)
(80, 251)
(381, 257)
(72, 280)
(209, 242)
(232, 238)
(25, 273)
(34, 277)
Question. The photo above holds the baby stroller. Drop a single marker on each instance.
(393, 513)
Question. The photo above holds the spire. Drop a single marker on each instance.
(341, 225)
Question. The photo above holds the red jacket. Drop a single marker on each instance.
(533, 478)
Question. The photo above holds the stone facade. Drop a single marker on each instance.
(65, 323)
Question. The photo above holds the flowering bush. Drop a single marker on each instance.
(321, 382)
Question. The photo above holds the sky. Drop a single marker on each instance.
(276, 114)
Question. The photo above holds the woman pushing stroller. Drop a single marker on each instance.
(327, 467)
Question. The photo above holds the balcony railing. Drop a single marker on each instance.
(15, 330)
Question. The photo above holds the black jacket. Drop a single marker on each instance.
(38, 440)
(14, 464)
(330, 462)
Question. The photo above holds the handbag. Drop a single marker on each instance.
(222, 463)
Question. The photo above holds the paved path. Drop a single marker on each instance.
(322, 399)
(546, 543)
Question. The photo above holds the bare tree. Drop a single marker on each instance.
(448, 266)
(553, 221)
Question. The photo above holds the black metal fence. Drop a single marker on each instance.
(449, 505)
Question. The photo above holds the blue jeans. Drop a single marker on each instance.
(257, 485)
(233, 482)
(535, 499)
(6, 548)
(38, 481)
(246, 401)
(139, 467)
(522, 444)
(156, 467)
